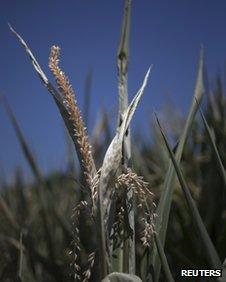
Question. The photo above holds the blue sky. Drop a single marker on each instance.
(167, 34)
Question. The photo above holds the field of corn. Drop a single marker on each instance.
(132, 210)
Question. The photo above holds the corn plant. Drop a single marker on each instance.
(118, 233)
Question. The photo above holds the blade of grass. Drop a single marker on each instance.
(214, 148)
(208, 246)
(165, 265)
(164, 205)
(35, 170)
(21, 257)
(25, 148)
(51, 267)
(8, 214)
(224, 272)
(46, 207)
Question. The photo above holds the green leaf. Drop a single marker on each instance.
(41, 192)
(164, 205)
(20, 271)
(214, 148)
(208, 246)
(163, 259)
(35, 170)
(7, 212)
(224, 272)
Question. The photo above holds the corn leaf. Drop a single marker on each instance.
(214, 148)
(208, 246)
(110, 165)
(8, 214)
(224, 272)
(41, 192)
(163, 259)
(20, 270)
(164, 205)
